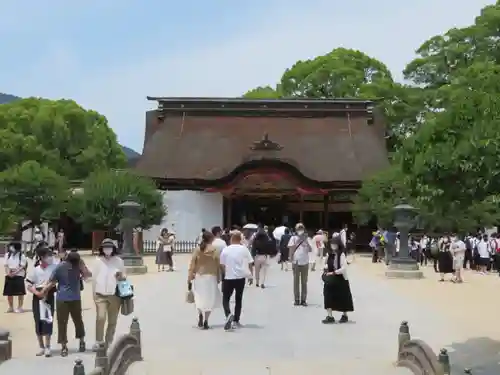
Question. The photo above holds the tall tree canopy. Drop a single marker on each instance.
(60, 135)
(347, 73)
(32, 191)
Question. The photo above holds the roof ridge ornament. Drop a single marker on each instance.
(265, 144)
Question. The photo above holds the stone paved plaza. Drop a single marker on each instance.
(277, 337)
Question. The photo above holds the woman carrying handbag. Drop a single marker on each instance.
(336, 289)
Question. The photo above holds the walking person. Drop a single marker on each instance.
(445, 258)
(218, 242)
(15, 264)
(67, 277)
(336, 289)
(164, 250)
(485, 254)
(284, 257)
(319, 247)
(299, 253)
(262, 249)
(43, 303)
(237, 266)
(204, 276)
(107, 271)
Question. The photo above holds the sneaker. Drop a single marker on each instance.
(229, 322)
(200, 320)
(296, 303)
(95, 347)
(343, 319)
(303, 303)
(262, 286)
(81, 346)
(237, 325)
(328, 320)
(19, 310)
(257, 285)
(10, 310)
(40, 352)
(205, 325)
(47, 352)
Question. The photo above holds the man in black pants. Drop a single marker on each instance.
(237, 265)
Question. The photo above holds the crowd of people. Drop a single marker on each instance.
(237, 258)
(449, 254)
(55, 280)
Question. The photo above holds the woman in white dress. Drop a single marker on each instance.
(203, 279)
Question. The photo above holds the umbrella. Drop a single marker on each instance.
(251, 226)
(279, 232)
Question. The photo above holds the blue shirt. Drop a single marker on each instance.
(68, 282)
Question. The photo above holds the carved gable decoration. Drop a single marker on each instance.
(265, 144)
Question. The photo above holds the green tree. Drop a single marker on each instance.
(97, 205)
(34, 192)
(263, 92)
(60, 135)
(450, 168)
(347, 73)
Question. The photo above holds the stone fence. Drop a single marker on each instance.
(125, 351)
(418, 357)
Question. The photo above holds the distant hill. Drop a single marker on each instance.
(129, 153)
(6, 98)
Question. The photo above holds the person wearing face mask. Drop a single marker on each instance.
(15, 264)
(336, 289)
(300, 250)
(107, 271)
(445, 258)
(43, 303)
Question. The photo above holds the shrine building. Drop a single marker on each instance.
(230, 161)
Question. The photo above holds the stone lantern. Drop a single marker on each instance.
(133, 261)
(403, 266)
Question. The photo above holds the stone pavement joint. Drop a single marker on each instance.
(277, 337)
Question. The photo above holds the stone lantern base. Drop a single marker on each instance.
(404, 269)
(134, 265)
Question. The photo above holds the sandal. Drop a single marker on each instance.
(64, 351)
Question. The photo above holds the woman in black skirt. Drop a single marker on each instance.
(284, 250)
(336, 289)
(445, 258)
(43, 303)
(15, 264)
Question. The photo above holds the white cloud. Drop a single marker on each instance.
(231, 66)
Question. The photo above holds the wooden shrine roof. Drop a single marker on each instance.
(324, 148)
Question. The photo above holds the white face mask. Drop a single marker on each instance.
(48, 260)
(300, 232)
(12, 249)
(107, 251)
(335, 247)
(453, 239)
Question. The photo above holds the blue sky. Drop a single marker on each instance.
(109, 55)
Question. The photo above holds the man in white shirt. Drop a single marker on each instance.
(299, 254)
(237, 265)
(458, 250)
(218, 242)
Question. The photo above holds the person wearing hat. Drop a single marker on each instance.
(15, 264)
(300, 250)
(107, 271)
(43, 303)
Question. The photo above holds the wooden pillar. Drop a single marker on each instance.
(229, 211)
(301, 212)
(326, 201)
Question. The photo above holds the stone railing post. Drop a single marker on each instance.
(78, 368)
(101, 358)
(5, 345)
(135, 330)
(444, 360)
(403, 336)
